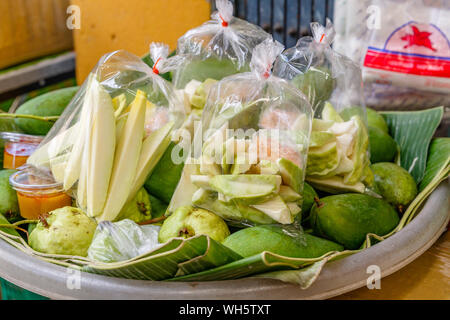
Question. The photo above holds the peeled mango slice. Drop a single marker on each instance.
(153, 148)
(188, 221)
(126, 159)
(101, 152)
(73, 167)
(65, 231)
(246, 187)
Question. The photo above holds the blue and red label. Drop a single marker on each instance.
(414, 48)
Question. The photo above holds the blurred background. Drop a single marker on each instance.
(38, 51)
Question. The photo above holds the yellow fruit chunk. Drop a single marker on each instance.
(153, 148)
(101, 153)
(73, 168)
(126, 159)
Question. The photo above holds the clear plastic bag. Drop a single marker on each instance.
(112, 134)
(255, 131)
(218, 48)
(402, 47)
(338, 158)
(122, 240)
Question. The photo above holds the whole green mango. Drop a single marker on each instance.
(394, 184)
(348, 218)
(9, 207)
(309, 194)
(282, 240)
(382, 147)
(317, 84)
(49, 104)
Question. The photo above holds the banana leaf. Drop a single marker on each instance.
(413, 131)
(438, 160)
(260, 263)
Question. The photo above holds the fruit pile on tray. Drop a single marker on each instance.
(232, 157)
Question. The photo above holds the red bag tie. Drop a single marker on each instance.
(155, 70)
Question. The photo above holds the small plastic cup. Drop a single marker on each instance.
(38, 195)
(18, 147)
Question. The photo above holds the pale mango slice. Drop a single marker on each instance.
(101, 153)
(126, 159)
(153, 148)
(119, 104)
(73, 168)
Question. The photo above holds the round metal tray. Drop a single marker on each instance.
(337, 277)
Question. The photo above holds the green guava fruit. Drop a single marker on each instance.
(139, 209)
(66, 231)
(188, 221)
(394, 184)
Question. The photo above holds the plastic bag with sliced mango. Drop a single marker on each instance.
(112, 134)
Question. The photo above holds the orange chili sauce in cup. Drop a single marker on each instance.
(18, 147)
(38, 195)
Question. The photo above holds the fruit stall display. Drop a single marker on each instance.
(105, 179)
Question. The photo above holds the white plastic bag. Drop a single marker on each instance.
(255, 132)
(403, 48)
(122, 240)
(338, 158)
(112, 134)
(218, 48)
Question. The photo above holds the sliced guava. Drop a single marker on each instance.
(246, 187)
(275, 208)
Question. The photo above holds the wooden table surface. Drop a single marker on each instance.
(427, 277)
